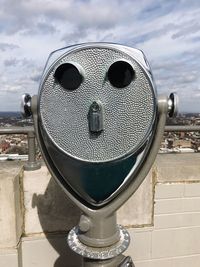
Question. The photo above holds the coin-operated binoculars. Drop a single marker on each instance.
(99, 124)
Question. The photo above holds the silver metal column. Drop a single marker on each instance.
(31, 164)
(99, 240)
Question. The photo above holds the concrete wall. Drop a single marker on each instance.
(163, 217)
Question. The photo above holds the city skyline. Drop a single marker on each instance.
(167, 31)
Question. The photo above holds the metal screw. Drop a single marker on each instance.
(84, 224)
(95, 106)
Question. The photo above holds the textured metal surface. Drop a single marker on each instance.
(102, 253)
(128, 112)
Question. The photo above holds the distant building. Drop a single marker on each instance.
(4, 145)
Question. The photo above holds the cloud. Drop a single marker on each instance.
(155, 9)
(14, 62)
(167, 31)
(40, 28)
(6, 46)
(13, 89)
(36, 16)
(36, 75)
(186, 30)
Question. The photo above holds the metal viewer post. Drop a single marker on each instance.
(98, 145)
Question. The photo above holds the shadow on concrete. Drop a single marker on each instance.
(57, 215)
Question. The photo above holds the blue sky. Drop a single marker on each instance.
(168, 32)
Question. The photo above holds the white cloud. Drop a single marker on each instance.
(6, 46)
(167, 31)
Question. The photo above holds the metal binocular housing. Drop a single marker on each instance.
(99, 124)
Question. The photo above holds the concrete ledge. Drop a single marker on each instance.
(138, 210)
(11, 210)
(9, 258)
(47, 208)
(50, 250)
(178, 167)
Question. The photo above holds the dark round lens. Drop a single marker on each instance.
(68, 76)
(120, 74)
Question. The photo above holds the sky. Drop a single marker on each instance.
(167, 31)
